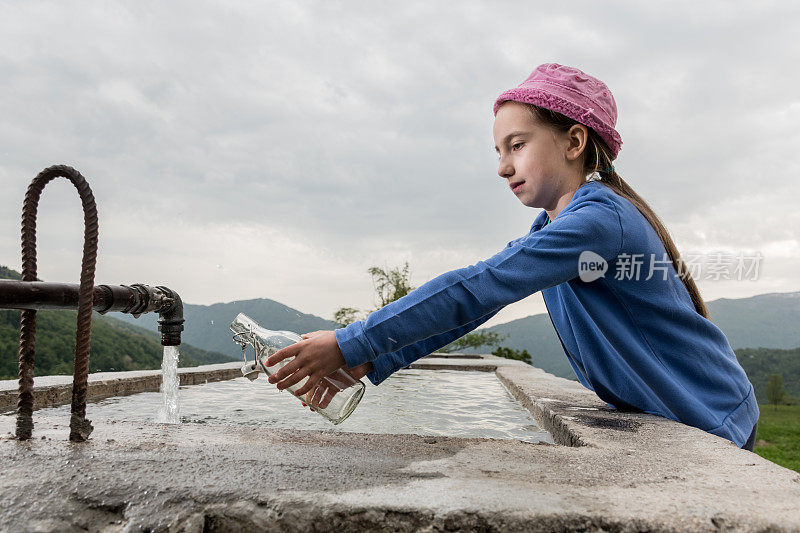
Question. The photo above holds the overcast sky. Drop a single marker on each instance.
(279, 149)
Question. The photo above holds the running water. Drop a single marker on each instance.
(170, 411)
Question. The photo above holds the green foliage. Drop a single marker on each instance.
(778, 438)
(345, 316)
(475, 339)
(509, 353)
(390, 285)
(775, 391)
(760, 363)
(7, 273)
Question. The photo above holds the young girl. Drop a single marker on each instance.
(629, 316)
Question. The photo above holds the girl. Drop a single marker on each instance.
(629, 315)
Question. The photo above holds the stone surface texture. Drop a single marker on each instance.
(610, 471)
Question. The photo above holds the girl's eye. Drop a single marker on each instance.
(515, 146)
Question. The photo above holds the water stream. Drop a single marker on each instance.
(170, 409)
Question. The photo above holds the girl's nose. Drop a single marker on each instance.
(505, 169)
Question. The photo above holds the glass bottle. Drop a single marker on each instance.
(336, 395)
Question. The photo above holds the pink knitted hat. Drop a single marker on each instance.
(573, 93)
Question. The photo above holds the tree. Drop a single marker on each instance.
(775, 391)
(509, 353)
(390, 285)
(345, 316)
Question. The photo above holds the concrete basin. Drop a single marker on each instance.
(609, 471)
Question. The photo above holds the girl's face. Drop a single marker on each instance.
(536, 161)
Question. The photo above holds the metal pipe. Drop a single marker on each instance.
(133, 299)
(170, 318)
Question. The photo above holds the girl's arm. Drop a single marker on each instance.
(318, 355)
(389, 363)
(539, 260)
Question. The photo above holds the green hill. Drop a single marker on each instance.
(115, 346)
(761, 321)
(7, 273)
(207, 325)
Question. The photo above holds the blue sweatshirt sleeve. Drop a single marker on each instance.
(539, 260)
(388, 363)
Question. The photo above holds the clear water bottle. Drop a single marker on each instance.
(335, 397)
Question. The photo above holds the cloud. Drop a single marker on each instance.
(299, 144)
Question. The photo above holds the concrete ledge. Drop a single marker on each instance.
(616, 472)
(191, 477)
(542, 408)
(50, 391)
(455, 356)
(477, 362)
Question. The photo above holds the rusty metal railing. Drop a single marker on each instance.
(30, 295)
(80, 427)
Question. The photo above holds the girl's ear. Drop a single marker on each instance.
(577, 137)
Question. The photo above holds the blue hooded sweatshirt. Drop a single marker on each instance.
(630, 331)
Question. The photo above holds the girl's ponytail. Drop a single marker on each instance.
(621, 187)
(598, 161)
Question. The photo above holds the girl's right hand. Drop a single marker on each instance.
(324, 396)
(358, 372)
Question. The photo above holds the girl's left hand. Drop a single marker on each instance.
(315, 357)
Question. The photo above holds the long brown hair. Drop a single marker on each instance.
(598, 160)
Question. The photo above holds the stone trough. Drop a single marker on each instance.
(608, 471)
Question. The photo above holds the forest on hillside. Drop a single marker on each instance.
(111, 348)
(759, 363)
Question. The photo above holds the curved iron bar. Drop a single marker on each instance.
(80, 428)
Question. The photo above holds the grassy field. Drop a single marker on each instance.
(778, 437)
